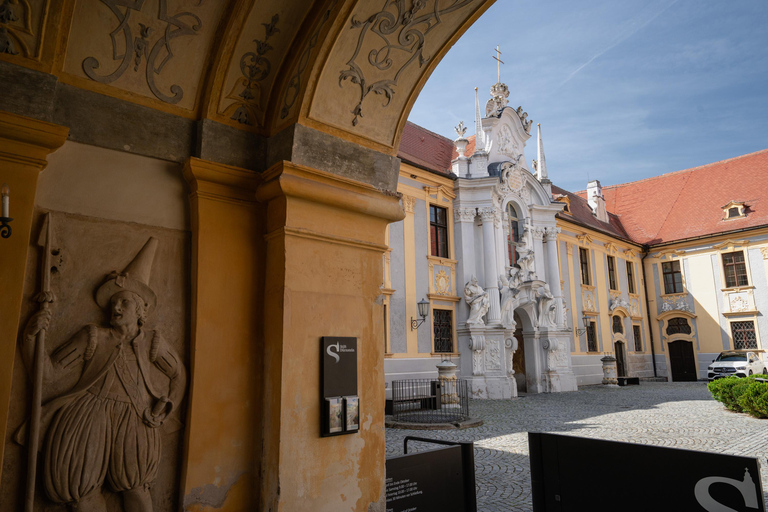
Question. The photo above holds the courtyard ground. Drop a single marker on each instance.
(679, 415)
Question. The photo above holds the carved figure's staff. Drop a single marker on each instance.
(45, 298)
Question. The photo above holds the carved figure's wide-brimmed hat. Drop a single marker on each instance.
(135, 278)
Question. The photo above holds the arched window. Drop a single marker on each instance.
(618, 325)
(678, 325)
(514, 235)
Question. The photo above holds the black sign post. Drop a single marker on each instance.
(574, 474)
(340, 404)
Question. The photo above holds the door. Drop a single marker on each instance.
(683, 361)
(621, 359)
(518, 359)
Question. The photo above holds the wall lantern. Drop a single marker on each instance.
(5, 217)
(585, 321)
(423, 305)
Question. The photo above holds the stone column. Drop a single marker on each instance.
(537, 233)
(228, 259)
(325, 242)
(553, 272)
(25, 144)
(489, 252)
(464, 227)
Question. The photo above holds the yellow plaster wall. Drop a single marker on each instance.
(325, 241)
(223, 421)
(24, 145)
(702, 286)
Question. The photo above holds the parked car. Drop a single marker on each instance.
(738, 363)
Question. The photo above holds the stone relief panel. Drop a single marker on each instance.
(507, 145)
(740, 302)
(492, 355)
(634, 308)
(442, 283)
(152, 49)
(378, 58)
(675, 303)
(22, 27)
(588, 300)
(116, 336)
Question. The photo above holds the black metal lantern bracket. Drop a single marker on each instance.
(423, 306)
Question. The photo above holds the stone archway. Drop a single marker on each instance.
(283, 164)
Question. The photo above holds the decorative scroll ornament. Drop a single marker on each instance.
(294, 84)
(409, 204)
(477, 363)
(675, 303)
(512, 182)
(764, 252)
(255, 67)
(442, 283)
(184, 23)
(400, 34)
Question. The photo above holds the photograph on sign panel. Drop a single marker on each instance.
(352, 412)
(335, 423)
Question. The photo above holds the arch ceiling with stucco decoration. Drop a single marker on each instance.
(348, 68)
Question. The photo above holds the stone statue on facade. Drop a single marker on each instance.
(508, 299)
(105, 428)
(545, 307)
(477, 300)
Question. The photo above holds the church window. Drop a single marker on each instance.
(443, 328)
(514, 234)
(584, 263)
(678, 325)
(673, 277)
(591, 337)
(631, 277)
(638, 338)
(438, 231)
(743, 335)
(618, 325)
(612, 273)
(735, 269)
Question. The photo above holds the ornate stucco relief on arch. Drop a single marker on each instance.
(158, 51)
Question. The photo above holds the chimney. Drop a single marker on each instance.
(596, 200)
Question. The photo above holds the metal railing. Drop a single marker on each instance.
(430, 400)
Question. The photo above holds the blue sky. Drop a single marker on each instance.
(623, 90)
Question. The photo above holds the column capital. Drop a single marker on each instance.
(221, 182)
(464, 214)
(551, 234)
(538, 232)
(488, 213)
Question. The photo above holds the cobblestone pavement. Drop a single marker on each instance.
(680, 415)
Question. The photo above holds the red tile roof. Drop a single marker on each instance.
(581, 213)
(687, 204)
(425, 149)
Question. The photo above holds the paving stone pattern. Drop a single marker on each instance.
(679, 415)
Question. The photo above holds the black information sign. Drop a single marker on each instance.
(574, 474)
(426, 481)
(340, 404)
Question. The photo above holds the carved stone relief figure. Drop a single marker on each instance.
(106, 427)
(478, 302)
(546, 307)
(618, 302)
(493, 355)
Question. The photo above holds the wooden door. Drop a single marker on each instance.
(683, 361)
(518, 360)
(621, 359)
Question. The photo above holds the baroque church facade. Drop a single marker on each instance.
(530, 286)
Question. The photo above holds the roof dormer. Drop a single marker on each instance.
(734, 210)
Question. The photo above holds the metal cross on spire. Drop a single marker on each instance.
(498, 63)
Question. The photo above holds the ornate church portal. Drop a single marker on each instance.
(506, 240)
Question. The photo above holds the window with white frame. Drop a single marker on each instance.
(735, 269)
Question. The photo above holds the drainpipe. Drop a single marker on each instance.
(646, 250)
